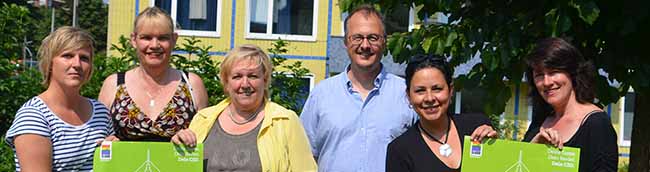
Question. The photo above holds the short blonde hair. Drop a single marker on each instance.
(154, 15)
(247, 52)
(65, 38)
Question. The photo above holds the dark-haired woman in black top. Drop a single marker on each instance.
(435, 142)
(563, 93)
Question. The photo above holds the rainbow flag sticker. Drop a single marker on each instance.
(476, 149)
(105, 151)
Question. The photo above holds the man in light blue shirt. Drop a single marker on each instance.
(350, 118)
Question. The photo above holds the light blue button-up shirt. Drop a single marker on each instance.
(349, 134)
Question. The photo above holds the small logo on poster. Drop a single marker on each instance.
(476, 150)
(105, 151)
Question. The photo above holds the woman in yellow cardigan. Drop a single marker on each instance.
(246, 131)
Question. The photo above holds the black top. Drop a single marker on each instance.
(596, 139)
(409, 151)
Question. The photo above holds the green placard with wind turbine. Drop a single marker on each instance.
(147, 157)
(496, 155)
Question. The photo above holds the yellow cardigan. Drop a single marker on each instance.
(282, 143)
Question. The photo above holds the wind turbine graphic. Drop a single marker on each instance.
(147, 165)
(519, 166)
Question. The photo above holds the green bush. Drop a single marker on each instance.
(104, 66)
(13, 21)
(6, 157)
(198, 60)
(17, 82)
(625, 167)
(287, 85)
(15, 90)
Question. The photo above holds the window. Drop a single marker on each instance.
(472, 100)
(285, 19)
(625, 118)
(194, 17)
(303, 92)
(457, 98)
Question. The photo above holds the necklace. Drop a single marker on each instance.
(250, 118)
(444, 149)
(152, 98)
(152, 101)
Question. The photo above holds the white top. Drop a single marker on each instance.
(72, 145)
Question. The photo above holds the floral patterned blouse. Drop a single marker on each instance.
(131, 124)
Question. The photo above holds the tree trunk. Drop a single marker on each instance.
(640, 146)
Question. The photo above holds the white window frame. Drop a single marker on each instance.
(199, 33)
(343, 16)
(269, 26)
(309, 76)
(621, 120)
(410, 27)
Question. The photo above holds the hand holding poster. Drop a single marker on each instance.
(147, 156)
(497, 155)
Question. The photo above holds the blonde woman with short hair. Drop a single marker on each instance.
(58, 129)
(246, 131)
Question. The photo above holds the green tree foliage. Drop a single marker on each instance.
(92, 15)
(611, 33)
(287, 85)
(13, 20)
(15, 90)
(17, 82)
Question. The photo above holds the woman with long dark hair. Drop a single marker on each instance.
(562, 90)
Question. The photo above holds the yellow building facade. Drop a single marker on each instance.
(233, 23)
(315, 35)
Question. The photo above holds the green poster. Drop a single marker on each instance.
(147, 156)
(497, 155)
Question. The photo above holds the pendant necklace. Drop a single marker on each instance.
(444, 149)
(152, 98)
(152, 102)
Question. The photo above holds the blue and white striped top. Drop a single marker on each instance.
(72, 146)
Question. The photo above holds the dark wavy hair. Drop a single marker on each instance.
(556, 53)
(422, 61)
